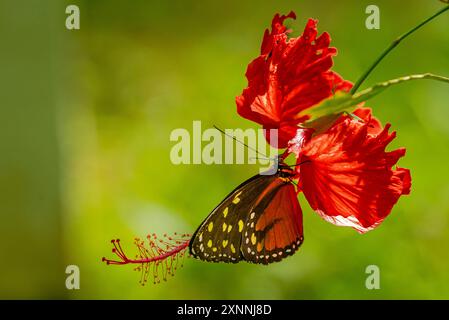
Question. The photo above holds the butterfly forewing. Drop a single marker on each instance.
(219, 236)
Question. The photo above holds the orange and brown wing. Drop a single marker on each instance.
(260, 222)
(274, 228)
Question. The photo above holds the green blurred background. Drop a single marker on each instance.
(86, 119)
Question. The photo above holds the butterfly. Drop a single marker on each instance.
(260, 221)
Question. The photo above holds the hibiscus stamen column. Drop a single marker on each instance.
(159, 256)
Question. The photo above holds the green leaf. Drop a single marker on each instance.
(345, 102)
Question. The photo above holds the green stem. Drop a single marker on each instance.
(391, 47)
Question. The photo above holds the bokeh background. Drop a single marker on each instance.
(86, 119)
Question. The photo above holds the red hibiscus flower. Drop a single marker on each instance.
(347, 175)
(289, 76)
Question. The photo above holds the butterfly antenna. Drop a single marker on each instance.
(301, 163)
(241, 142)
(260, 158)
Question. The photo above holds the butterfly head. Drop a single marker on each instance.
(285, 171)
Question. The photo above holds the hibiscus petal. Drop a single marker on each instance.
(289, 76)
(277, 27)
(349, 179)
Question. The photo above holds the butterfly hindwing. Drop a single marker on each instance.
(219, 236)
(273, 230)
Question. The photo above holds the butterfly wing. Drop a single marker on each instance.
(260, 222)
(219, 237)
(274, 229)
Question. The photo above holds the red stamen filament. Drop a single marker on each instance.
(162, 256)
